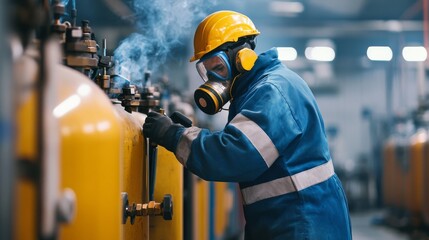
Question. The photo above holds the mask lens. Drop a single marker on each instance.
(202, 71)
(214, 67)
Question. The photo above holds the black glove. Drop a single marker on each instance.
(161, 130)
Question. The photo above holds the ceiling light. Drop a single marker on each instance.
(287, 53)
(287, 8)
(324, 54)
(379, 53)
(414, 54)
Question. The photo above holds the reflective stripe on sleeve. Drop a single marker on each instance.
(281, 186)
(183, 148)
(259, 139)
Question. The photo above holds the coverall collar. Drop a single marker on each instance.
(265, 60)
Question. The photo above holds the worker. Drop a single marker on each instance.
(274, 143)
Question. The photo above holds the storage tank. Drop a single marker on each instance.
(425, 209)
(227, 219)
(213, 210)
(209, 211)
(413, 168)
(423, 141)
(395, 154)
(134, 170)
(83, 136)
(162, 174)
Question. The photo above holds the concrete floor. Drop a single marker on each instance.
(364, 227)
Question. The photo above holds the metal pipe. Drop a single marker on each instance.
(421, 81)
(153, 157)
(426, 25)
(7, 136)
(49, 131)
(47, 140)
(389, 96)
(73, 12)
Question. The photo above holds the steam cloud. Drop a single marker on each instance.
(163, 23)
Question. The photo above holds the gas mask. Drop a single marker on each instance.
(218, 74)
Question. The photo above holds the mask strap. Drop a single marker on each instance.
(232, 85)
(230, 92)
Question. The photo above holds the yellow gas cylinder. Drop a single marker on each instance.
(413, 177)
(201, 209)
(26, 152)
(222, 206)
(390, 173)
(197, 203)
(387, 173)
(134, 171)
(425, 185)
(398, 184)
(169, 180)
(89, 157)
(211, 206)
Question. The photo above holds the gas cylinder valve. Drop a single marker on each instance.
(142, 100)
(152, 208)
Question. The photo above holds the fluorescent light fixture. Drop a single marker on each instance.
(379, 53)
(286, 7)
(323, 54)
(414, 54)
(287, 53)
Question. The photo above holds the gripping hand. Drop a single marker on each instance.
(161, 130)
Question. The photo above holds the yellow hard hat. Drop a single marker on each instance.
(218, 28)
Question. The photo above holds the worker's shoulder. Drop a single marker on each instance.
(285, 78)
(286, 83)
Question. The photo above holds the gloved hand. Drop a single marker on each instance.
(161, 130)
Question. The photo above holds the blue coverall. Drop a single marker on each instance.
(274, 145)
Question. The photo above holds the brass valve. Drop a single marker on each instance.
(152, 208)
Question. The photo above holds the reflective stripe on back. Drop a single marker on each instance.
(256, 135)
(288, 184)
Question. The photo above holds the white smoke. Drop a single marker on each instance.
(162, 25)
